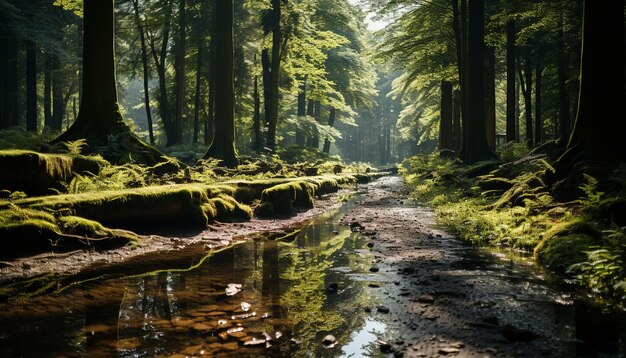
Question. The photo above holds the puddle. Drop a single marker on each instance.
(276, 298)
(258, 298)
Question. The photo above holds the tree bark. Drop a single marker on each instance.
(331, 123)
(459, 27)
(146, 70)
(457, 121)
(179, 66)
(446, 139)
(538, 114)
(199, 64)
(490, 97)
(59, 100)
(272, 72)
(598, 133)
(209, 125)
(300, 135)
(475, 147)
(511, 91)
(47, 91)
(223, 145)
(564, 114)
(317, 113)
(31, 86)
(311, 113)
(526, 81)
(256, 119)
(99, 116)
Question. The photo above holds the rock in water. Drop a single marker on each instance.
(329, 341)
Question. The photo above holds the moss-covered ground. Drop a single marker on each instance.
(510, 204)
(65, 200)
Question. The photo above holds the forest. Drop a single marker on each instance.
(381, 178)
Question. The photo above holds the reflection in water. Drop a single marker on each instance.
(260, 297)
(263, 297)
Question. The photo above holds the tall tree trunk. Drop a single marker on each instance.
(538, 115)
(475, 146)
(31, 86)
(209, 125)
(490, 97)
(331, 123)
(160, 56)
(199, 72)
(564, 113)
(317, 113)
(300, 135)
(511, 91)
(179, 66)
(598, 133)
(311, 113)
(446, 139)
(146, 70)
(460, 37)
(59, 101)
(223, 145)
(457, 121)
(388, 145)
(99, 115)
(273, 77)
(258, 145)
(526, 81)
(464, 81)
(47, 91)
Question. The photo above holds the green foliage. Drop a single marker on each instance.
(604, 271)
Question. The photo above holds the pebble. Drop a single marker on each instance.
(382, 309)
(426, 299)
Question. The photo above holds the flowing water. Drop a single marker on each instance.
(260, 298)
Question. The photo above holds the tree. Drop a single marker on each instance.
(271, 69)
(99, 119)
(223, 145)
(599, 128)
(475, 147)
(511, 93)
(446, 139)
(146, 69)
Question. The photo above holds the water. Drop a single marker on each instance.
(262, 298)
(254, 291)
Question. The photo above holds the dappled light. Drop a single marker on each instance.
(312, 178)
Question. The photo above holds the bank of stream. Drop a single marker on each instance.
(371, 278)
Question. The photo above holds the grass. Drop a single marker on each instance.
(511, 206)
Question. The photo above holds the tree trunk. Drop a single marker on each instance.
(146, 70)
(317, 113)
(99, 115)
(271, 89)
(563, 93)
(199, 64)
(47, 91)
(223, 145)
(59, 101)
(258, 145)
(475, 146)
(490, 97)
(31, 86)
(460, 37)
(598, 133)
(511, 92)
(446, 139)
(538, 115)
(179, 66)
(209, 126)
(311, 113)
(457, 121)
(300, 135)
(526, 81)
(464, 81)
(331, 123)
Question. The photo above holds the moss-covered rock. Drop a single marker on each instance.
(39, 174)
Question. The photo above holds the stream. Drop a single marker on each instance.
(341, 285)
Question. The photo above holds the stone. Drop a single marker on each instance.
(254, 342)
(202, 327)
(329, 340)
(449, 350)
(231, 346)
(178, 322)
(517, 335)
(374, 269)
(332, 288)
(193, 350)
(427, 298)
(382, 309)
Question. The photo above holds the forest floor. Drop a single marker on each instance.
(168, 243)
(439, 296)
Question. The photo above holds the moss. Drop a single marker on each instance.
(265, 209)
(227, 209)
(560, 252)
(80, 226)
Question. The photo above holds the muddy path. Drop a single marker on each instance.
(440, 297)
(374, 273)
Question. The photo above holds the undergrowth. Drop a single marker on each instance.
(512, 206)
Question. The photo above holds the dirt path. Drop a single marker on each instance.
(440, 297)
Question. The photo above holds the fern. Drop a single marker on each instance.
(75, 147)
(592, 197)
